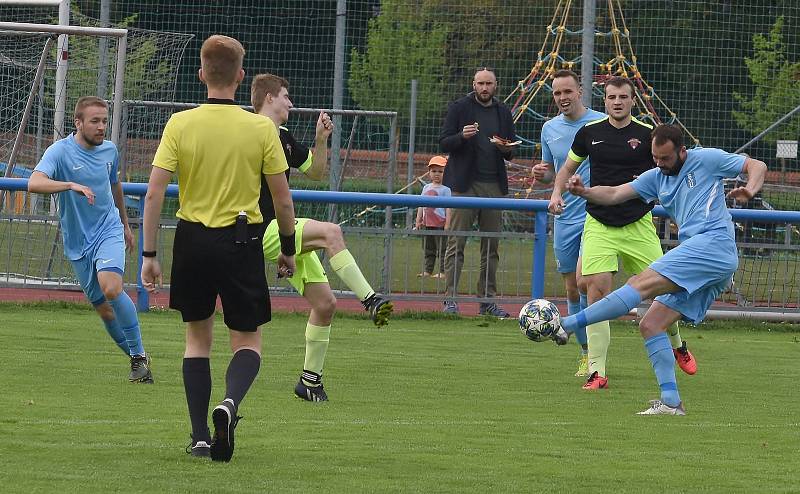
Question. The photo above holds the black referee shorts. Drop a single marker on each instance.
(207, 262)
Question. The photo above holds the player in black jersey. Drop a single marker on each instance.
(270, 97)
(619, 150)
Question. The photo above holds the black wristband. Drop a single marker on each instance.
(148, 253)
(287, 244)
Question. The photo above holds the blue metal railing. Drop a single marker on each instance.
(534, 205)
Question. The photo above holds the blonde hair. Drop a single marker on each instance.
(86, 101)
(264, 84)
(221, 60)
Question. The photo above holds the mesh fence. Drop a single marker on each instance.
(725, 70)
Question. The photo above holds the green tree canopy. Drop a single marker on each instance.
(403, 43)
(777, 87)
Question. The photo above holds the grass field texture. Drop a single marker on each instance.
(427, 404)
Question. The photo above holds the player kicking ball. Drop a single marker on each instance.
(684, 282)
(270, 97)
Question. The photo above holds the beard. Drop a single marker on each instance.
(95, 140)
(484, 98)
(676, 168)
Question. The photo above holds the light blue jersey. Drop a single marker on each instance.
(83, 225)
(557, 136)
(695, 197)
(706, 258)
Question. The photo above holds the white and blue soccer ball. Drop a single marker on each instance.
(539, 319)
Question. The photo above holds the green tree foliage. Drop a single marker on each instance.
(403, 43)
(777, 84)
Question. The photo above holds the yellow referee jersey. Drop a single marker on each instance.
(219, 152)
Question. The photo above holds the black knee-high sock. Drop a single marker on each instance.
(242, 371)
(197, 383)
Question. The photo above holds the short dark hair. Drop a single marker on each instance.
(567, 73)
(667, 132)
(621, 82)
(263, 84)
(85, 102)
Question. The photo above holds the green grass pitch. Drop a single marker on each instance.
(427, 404)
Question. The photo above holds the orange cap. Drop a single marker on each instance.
(437, 161)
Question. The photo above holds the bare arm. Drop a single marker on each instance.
(119, 201)
(42, 184)
(319, 159)
(556, 205)
(284, 214)
(602, 194)
(756, 171)
(153, 202)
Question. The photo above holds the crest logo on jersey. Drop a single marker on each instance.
(288, 148)
(634, 143)
(690, 181)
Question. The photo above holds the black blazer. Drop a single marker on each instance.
(461, 167)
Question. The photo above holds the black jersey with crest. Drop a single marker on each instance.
(616, 156)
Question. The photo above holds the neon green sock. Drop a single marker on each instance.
(317, 338)
(348, 271)
(598, 336)
(674, 336)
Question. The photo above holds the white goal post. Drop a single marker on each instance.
(119, 83)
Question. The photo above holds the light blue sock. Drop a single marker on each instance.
(580, 333)
(116, 334)
(615, 304)
(126, 315)
(584, 300)
(660, 352)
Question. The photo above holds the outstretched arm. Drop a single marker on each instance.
(603, 195)
(42, 184)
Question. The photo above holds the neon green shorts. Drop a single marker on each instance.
(309, 268)
(637, 245)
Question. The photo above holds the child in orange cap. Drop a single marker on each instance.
(429, 218)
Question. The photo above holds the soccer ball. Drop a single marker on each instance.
(539, 319)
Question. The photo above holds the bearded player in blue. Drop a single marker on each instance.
(82, 169)
(686, 280)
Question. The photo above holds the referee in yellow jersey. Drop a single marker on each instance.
(219, 152)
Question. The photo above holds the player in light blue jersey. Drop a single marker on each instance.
(82, 170)
(557, 136)
(686, 280)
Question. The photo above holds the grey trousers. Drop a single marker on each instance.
(489, 220)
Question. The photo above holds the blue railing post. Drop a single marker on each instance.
(539, 254)
(142, 297)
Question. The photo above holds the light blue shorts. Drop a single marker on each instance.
(567, 245)
(703, 266)
(108, 254)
